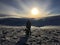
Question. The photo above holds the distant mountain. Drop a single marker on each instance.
(13, 21)
(53, 20)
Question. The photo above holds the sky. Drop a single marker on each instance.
(22, 8)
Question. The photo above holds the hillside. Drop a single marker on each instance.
(54, 20)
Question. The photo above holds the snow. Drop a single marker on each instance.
(46, 35)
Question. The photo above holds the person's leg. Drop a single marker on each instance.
(27, 32)
(30, 32)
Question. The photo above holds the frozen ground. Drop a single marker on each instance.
(47, 35)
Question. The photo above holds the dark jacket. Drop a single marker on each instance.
(28, 24)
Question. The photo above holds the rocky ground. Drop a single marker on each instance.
(39, 36)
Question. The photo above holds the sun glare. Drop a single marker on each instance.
(34, 11)
(37, 13)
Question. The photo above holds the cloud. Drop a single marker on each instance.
(21, 8)
(55, 7)
(8, 10)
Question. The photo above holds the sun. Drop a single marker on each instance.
(34, 11)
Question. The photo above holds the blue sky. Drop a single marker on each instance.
(21, 8)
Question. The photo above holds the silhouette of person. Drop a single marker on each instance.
(28, 28)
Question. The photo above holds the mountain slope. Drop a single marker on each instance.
(54, 20)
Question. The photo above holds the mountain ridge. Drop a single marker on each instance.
(53, 20)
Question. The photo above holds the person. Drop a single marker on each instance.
(28, 28)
